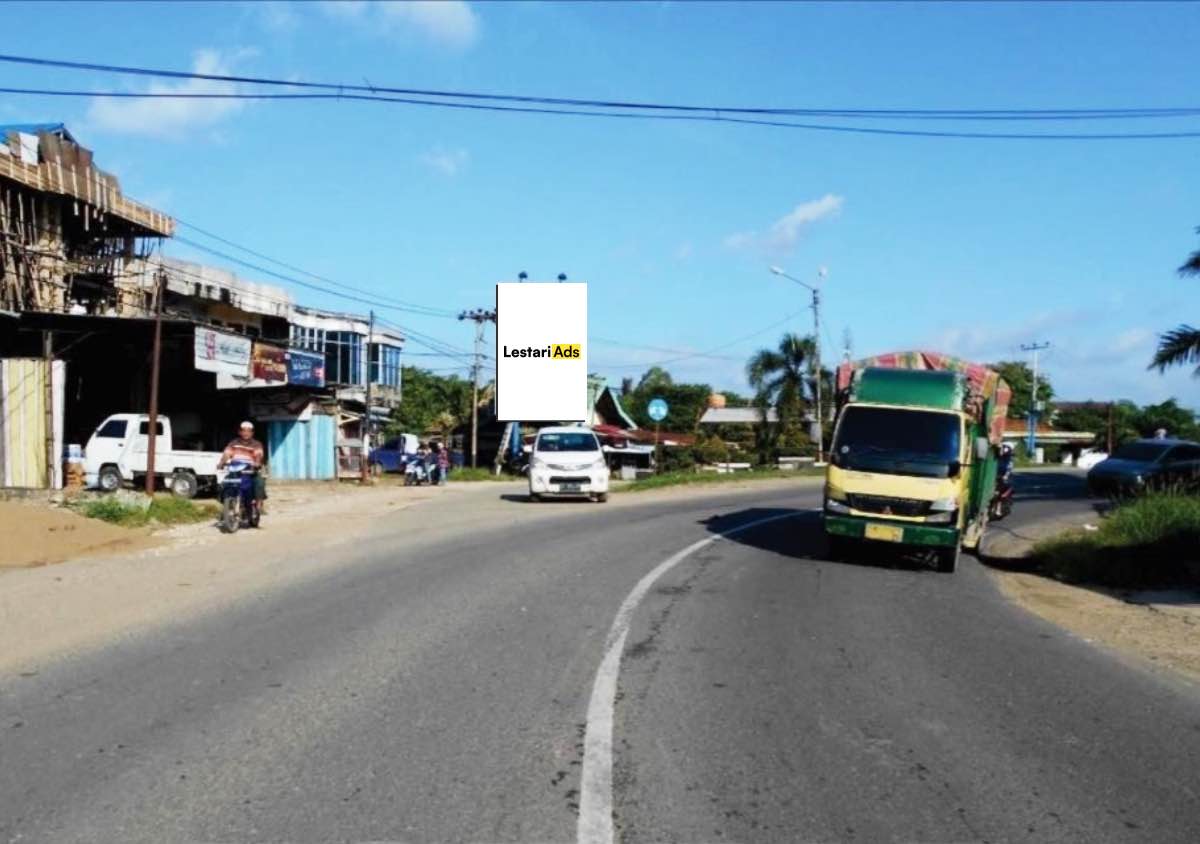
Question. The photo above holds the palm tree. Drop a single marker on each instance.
(1180, 346)
(781, 377)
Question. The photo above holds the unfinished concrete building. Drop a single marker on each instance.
(67, 232)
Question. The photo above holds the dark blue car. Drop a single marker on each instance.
(1147, 464)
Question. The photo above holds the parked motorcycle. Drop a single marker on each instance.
(239, 506)
(415, 472)
(1002, 499)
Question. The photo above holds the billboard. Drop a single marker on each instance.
(541, 352)
(305, 369)
(222, 353)
(269, 364)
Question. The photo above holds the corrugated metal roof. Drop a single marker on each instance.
(59, 129)
(736, 416)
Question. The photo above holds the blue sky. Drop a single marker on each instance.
(966, 246)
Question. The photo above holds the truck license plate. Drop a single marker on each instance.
(885, 533)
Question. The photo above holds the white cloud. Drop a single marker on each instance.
(277, 16)
(785, 233)
(167, 118)
(452, 23)
(684, 251)
(448, 162)
(447, 23)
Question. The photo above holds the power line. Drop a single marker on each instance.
(293, 268)
(716, 115)
(341, 90)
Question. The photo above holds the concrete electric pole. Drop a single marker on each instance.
(1031, 444)
(819, 428)
(479, 316)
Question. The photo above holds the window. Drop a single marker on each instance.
(897, 442)
(1141, 452)
(145, 427)
(1185, 454)
(582, 441)
(310, 339)
(112, 429)
(385, 365)
(344, 357)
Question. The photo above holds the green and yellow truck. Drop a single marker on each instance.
(914, 453)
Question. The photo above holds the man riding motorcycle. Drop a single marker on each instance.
(1002, 499)
(245, 448)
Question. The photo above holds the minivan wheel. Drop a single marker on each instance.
(534, 497)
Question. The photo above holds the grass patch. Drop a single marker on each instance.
(1153, 541)
(689, 478)
(468, 473)
(163, 510)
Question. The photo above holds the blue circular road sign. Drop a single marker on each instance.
(657, 410)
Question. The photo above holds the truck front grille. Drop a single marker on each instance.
(888, 506)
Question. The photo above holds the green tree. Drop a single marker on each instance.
(685, 403)
(654, 378)
(1181, 345)
(1019, 377)
(430, 401)
(782, 378)
(1178, 421)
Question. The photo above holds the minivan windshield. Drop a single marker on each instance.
(1140, 452)
(897, 442)
(583, 441)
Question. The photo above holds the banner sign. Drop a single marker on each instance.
(541, 352)
(306, 369)
(269, 364)
(222, 353)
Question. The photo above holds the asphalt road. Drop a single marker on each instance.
(439, 691)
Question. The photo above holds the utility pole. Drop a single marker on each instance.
(155, 355)
(1033, 402)
(365, 468)
(816, 309)
(479, 316)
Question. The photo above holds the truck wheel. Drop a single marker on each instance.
(110, 478)
(840, 547)
(184, 485)
(947, 559)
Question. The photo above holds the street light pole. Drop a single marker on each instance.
(816, 309)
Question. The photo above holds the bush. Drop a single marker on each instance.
(163, 510)
(675, 459)
(1153, 541)
(711, 450)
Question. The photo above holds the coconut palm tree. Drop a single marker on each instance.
(1180, 346)
(782, 377)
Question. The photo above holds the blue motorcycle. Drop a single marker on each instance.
(239, 505)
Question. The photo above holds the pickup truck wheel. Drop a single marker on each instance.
(184, 485)
(109, 478)
(947, 559)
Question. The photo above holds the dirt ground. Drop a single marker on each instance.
(1160, 627)
(36, 534)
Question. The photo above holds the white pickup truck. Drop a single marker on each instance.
(116, 454)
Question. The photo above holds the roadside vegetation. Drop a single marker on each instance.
(478, 473)
(667, 479)
(163, 510)
(1153, 541)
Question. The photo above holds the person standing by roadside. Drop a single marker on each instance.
(443, 462)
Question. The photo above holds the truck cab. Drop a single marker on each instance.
(909, 464)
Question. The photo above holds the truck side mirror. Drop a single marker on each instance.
(953, 469)
(982, 447)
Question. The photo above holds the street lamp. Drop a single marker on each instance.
(816, 308)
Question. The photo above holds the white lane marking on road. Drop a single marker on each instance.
(595, 824)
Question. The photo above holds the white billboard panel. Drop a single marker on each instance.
(541, 352)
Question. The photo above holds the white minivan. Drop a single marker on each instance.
(567, 461)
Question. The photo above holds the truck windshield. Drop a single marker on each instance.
(897, 442)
